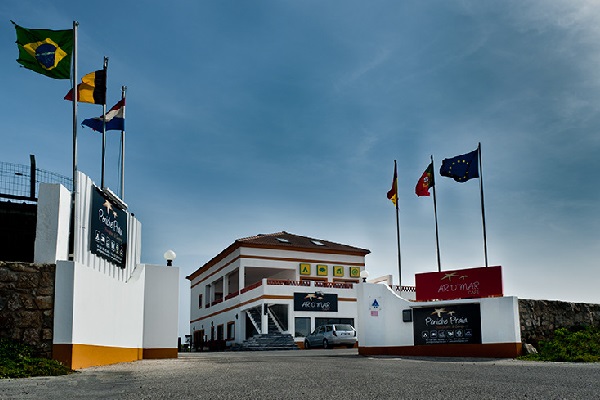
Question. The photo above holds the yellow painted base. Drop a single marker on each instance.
(77, 356)
(160, 353)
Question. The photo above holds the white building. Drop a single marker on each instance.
(274, 283)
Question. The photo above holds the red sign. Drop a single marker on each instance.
(459, 284)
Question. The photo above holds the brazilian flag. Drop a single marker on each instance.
(45, 51)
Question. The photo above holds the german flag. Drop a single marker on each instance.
(392, 194)
(92, 88)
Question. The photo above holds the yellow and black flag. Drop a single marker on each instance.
(45, 51)
(92, 88)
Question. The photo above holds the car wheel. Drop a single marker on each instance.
(325, 344)
(306, 344)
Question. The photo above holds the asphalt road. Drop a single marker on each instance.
(339, 374)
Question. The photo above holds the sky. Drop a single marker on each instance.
(275, 115)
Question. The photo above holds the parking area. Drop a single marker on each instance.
(317, 373)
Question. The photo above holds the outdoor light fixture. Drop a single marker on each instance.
(364, 274)
(170, 256)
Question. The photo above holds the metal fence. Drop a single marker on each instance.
(21, 182)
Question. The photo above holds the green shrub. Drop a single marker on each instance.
(580, 344)
(17, 361)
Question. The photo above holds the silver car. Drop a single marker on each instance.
(327, 336)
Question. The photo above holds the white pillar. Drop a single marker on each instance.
(225, 286)
(241, 279)
(264, 320)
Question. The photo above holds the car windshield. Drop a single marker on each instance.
(343, 328)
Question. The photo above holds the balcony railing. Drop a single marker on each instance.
(232, 295)
(287, 282)
(335, 285)
(253, 286)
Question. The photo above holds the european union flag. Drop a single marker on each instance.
(461, 168)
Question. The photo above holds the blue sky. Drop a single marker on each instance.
(256, 117)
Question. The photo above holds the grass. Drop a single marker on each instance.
(17, 361)
(580, 344)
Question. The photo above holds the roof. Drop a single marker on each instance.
(289, 240)
(283, 240)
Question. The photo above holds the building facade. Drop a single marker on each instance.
(273, 283)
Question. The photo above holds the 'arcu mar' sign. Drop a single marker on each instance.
(316, 301)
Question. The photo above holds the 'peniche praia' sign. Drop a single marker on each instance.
(108, 230)
(452, 324)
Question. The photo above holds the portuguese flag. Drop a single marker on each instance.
(425, 182)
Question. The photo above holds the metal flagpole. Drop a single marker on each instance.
(104, 123)
(482, 204)
(398, 228)
(75, 98)
(123, 93)
(437, 240)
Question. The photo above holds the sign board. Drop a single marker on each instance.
(459, 284)
(459, 323)
(304, 269)
(108, 230)
(316, 301)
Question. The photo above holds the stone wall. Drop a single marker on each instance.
(539, 318)
(27, 304)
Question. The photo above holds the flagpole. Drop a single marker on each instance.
(398, 229)
(104, 123)
(75, 97)
(482, 204)
(437, 239)
(123, 93)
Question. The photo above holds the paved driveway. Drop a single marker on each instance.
(339, 374)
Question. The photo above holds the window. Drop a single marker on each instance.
(317, 243)
(220, 332)
(326, 321)
(199, 301)
(230, 330)
(302, 326)
(282, 240)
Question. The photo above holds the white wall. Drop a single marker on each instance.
(161, 303)
(96, 309)
(97, 302)
(52, 229)
(499, 317)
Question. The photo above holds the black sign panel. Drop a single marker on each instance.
(108, 230)
(447, 324)
(316, 301)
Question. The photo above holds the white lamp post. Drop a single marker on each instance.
(170, 256)
(364, 274)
